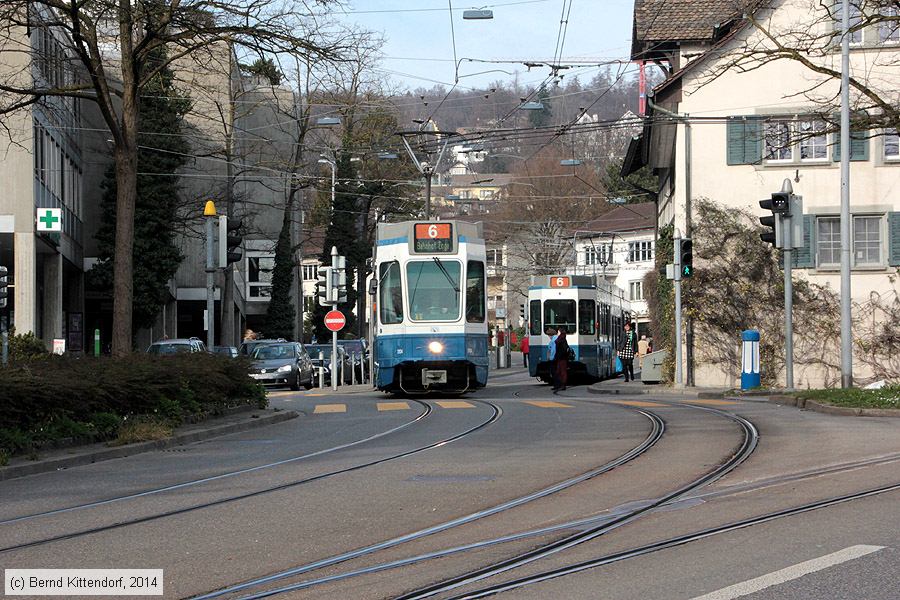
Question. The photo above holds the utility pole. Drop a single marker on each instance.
(788, 300)
(677, 343)
(209, 214)
(846, 332)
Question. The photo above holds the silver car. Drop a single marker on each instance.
(283, 363)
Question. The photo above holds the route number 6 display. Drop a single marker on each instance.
(433, 237)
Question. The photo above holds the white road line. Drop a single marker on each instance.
(797, 571)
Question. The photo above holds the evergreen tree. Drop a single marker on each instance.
(280, 314)
(540, 118)
(161, 154)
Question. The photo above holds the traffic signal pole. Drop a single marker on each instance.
(788, 301)
(677, 258)
(334, 344)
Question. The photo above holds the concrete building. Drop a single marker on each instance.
(619, 247)
(760, 118)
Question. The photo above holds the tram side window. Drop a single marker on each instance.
(560, 313)
(391, 297)
(475, 291)
(534, 315)
(603, 318)
(586, 316)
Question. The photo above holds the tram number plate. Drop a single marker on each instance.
(429, 376)
(560, 282)
(433, 237)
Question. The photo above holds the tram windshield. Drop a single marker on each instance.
(433, 289)
(560, 313)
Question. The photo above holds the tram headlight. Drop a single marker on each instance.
(435, 347)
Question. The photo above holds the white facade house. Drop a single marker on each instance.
(721, 130)
(619, 247)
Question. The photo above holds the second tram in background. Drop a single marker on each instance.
(592, 312)
(431, 331)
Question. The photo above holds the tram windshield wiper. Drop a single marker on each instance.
(446, 273)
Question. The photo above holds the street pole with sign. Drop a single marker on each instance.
(209, 214)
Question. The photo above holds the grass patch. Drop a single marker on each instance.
(135, 431)
(886, 397)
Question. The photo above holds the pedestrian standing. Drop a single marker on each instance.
(551, 354)
(643, 349)
(627, 350)
(562, 361)
(524, 348)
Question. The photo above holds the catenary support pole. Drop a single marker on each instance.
(210, 280)
(334, 344)
(846, 332)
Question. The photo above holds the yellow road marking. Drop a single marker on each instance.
(393, 406)
(330, 408)
(455, 404)
(547, 404)
(639, 403)
(711, 402)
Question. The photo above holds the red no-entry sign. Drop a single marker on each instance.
(335, 320)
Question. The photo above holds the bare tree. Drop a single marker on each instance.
(117, 45)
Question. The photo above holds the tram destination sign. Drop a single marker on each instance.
(433, 237)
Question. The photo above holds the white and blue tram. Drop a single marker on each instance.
(592, 312)
(431, 328)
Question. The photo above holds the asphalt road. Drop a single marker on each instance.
(360, 471)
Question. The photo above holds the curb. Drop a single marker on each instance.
(846, 411)
(141, 447)
(652, 390)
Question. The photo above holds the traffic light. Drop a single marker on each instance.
(340, 277)
(687, 257)
(229, 240)
(324, 286)
(522, 313)
(4, 285)
(779, 204)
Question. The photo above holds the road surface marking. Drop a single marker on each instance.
(312, 395)
(547, 404)
(393, 406)
(710, 402)
(639, 403)
(455, 404)
(797, 571)
(330, 408)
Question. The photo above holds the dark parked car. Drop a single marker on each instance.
(249, 346)
(177, 345)
(229, 351)
(282, 363)
(314, 350)
(357, 352)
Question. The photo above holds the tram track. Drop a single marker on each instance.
(743, 451)
(496, 412)
(200, 481)
(656, 432)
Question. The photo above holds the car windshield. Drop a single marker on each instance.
(169, 348)
(352, 346)
(274, 352)
(314, 349)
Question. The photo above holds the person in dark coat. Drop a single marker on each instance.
(562, 361)
(626, 351)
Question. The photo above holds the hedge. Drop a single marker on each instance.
(61, 397)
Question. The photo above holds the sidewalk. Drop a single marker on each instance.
(64, 458)
(635, 388)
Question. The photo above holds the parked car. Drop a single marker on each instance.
(357, 352)
(282, 363)
(229, 351)
(325, 363)
(249, 346)
(176, 345)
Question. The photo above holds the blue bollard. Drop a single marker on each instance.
(750, 360)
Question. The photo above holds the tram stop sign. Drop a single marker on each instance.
(334, 320)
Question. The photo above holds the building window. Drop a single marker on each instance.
(778, 142)
(891, 145)
(259, 276)
(856, 18)
(828, 242)
(636, 290)
(813, 141)
(640, 251)
(310, 272)
(486, 194)
(590, 255)
(889, 29)
(495, 257)
(867, 241)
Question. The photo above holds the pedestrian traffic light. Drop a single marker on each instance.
(324, 286)
(773, 221)
(229, 240)
(687, 257)
(4, 286)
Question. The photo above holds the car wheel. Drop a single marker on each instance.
(295, 386)
(309, 384)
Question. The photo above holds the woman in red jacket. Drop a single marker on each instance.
(524, 348)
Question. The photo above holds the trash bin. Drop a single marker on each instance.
(652, 370)
(750, 360)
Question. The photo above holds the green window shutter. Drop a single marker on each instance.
(743, 140)
(894, 239)
(859, 146)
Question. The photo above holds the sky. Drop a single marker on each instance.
(418, 50)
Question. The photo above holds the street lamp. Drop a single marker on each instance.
(328, 121)
(325, 161)
(532, 106)
(477, 14)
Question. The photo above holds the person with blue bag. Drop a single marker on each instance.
(551, 353)
(626, 351)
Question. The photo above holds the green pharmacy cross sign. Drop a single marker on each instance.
(49, 219)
